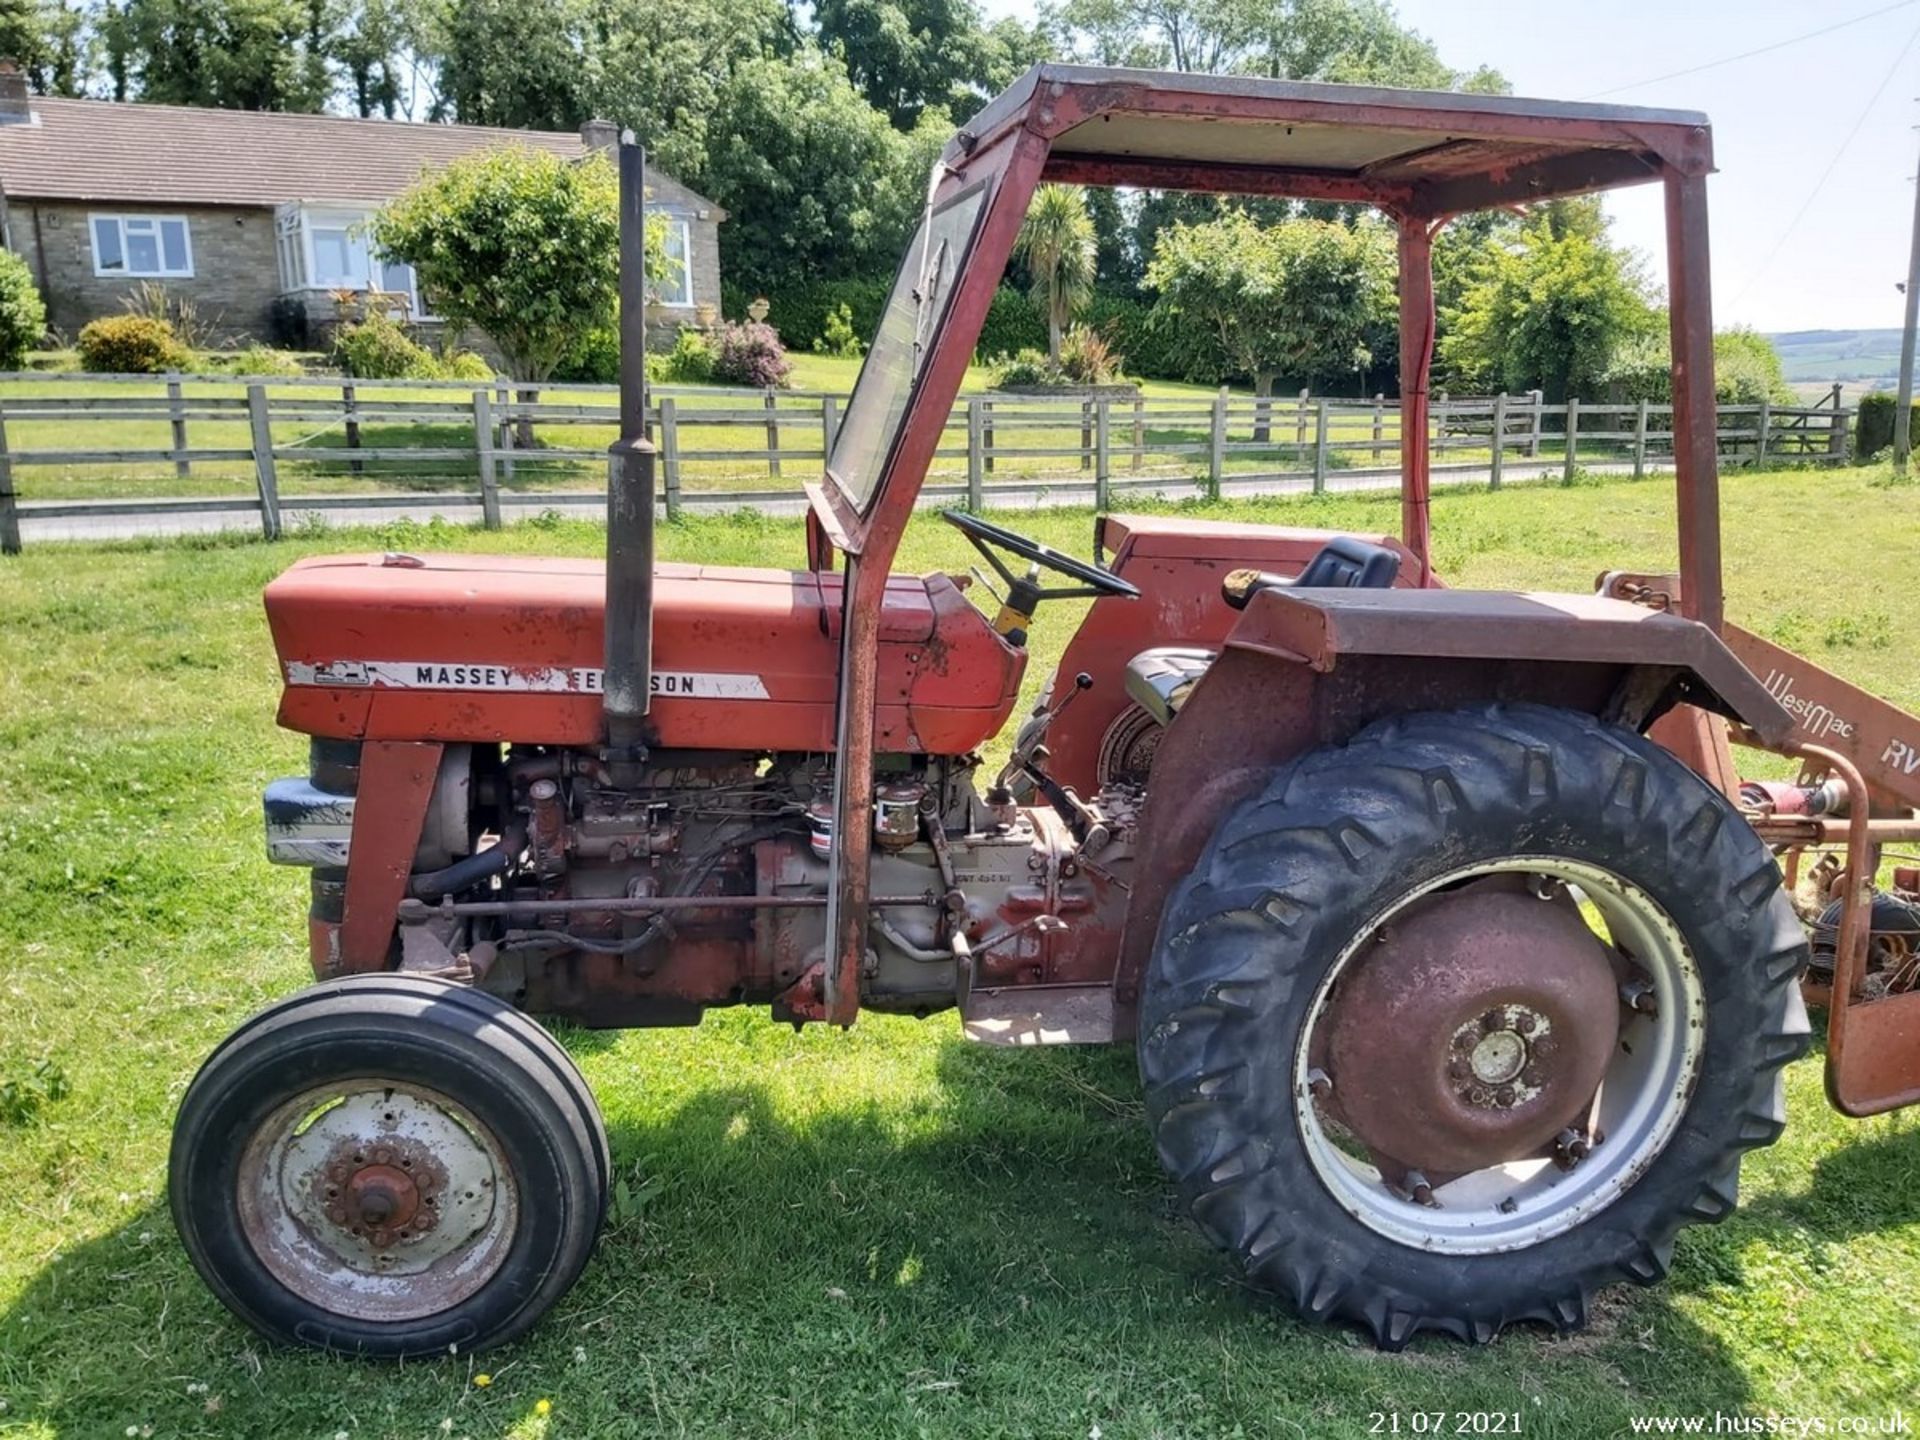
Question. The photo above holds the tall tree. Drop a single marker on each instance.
(374, 44)
(53, 42)
(229, 54)
(1057, 243)
(1548, 309)
(908, 55)
(817, 183)
(517, 63)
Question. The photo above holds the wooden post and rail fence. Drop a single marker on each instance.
(120, 447)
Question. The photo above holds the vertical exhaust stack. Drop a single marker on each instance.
(627, 683)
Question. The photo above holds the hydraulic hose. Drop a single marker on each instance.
(465, 873)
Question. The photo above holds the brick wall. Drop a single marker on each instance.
(236, 271)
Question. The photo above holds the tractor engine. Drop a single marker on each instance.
(705, 883)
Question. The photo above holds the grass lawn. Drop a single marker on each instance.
(886, 1232)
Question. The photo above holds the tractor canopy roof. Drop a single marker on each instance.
(1407, 151)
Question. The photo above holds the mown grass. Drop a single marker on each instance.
(886, 1232)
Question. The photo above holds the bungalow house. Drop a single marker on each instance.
(257, 217)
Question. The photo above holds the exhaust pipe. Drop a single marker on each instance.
(628, 680)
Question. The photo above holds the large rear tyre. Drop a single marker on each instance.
(389, 1166)
(1458, 1022)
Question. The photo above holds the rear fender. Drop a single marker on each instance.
(1308, 668)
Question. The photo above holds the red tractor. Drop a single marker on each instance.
(1460, 967)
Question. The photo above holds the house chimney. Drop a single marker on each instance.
(15, 108)
(599, 134)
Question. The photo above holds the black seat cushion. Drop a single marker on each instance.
(1343, 563)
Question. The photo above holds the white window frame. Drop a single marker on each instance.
(686, 278)
(294, 225)
(126, 270)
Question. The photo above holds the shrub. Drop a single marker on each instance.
(840, 338)
(594, 358)
(131, 345)
(1012, 325)
(1026, 367)
(154, 301)
(1087, 359)
(377, 348)
(1873, 429)
(750, 353)
(692, 359)
(459, 365)
(23, 317)
(265, 360)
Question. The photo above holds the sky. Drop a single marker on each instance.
(1810, 229)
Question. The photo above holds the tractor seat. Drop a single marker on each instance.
(1343, 563)
(1160, 680)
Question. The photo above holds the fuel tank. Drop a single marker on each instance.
(471, 648)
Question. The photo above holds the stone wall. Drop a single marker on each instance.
(236, 271)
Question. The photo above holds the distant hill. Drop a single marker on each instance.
(1862, 359)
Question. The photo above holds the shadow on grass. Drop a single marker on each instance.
(1001, 1257)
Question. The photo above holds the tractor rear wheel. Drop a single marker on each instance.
(389, 1166)
(1464, 1019)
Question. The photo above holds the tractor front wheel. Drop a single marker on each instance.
(389, 1166)
(1464, 1019)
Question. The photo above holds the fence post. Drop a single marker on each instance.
(1086, 434)
(1379, 422)
(1300, 421)
(177, 413)
(1102, 453)
(263, 467)
(986, 436)
(829, 427)
(9, 505)
(350, 409)
(483, 449)
(1217, 450)
(1537, 399)
(1320, 447)
(1837, 437)
(976, 454)
(1760, 443)
(1499, 441)
(1573, 440)
(773, 436)
(1139, 431)
(1640, 441)
(670, 455)
(504, 398)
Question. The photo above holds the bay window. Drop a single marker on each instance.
(330, 247)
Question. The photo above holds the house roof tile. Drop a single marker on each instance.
(97, 150)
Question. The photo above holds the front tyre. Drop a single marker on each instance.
(389, 1166)
(1460, 1021)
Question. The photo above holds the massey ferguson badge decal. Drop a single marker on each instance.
(513, 679)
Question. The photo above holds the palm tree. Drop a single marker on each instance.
(1057, 242)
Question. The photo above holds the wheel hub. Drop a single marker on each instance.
(377, 1200)
(1475, 1029)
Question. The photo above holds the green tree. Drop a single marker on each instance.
(519, 243)
(517, 63)
(1549, 309)
(1302, 299)
(53, 42)
(816, 182)
(372, 44)
(1057, 244)
(908, 55)
(229, 54)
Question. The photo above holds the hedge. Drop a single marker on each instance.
(1873, 430)
(800, 314)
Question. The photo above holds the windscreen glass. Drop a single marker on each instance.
(907, 330)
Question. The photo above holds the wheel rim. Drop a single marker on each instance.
(1641, 1101)
(377, 1200)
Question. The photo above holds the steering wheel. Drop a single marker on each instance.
(1023, 593)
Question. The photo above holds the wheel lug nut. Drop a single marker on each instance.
(1526, 1024)
(337, 1215)
(1493, 1020)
